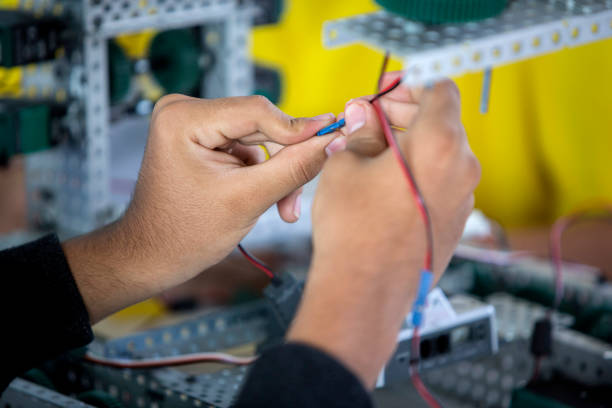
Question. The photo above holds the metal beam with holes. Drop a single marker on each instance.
(527, 28)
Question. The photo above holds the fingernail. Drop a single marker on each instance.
(325, 116)
(297, 207)
(355, 117)
(337, 145)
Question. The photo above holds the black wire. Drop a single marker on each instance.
(381, 94)
(428, 227)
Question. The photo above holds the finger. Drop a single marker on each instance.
(364, 134)
(169, 99)
(402, 93)
(290, 206)
(285, 172)
(250, 119)
(399, 113)
(438, 122)
(272, 148)
(441, 99)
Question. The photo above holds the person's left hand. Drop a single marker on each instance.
(203, 183)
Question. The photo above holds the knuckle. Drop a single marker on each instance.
(449, 88)
(167, 100)
(447, 140)
(260, 101)
(474, 169)
(165, 118)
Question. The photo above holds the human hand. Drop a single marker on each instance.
(369, 240)
(202, 185)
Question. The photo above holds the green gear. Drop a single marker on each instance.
(175, 56)
(119, 72)
(444, 11)
(99, 399)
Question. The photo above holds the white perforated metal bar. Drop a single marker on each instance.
(527, 28)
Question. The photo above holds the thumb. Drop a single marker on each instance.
(364, 133)
(288, 170)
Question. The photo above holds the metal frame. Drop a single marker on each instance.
(78, 173)
(22, 393)
(252, 324)
(489, 381)
(527, 28)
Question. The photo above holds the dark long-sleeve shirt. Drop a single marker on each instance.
(44, 315)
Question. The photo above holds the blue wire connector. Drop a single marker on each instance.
(331, 128)
(421, 298)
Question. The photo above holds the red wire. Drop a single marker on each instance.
(256, 262)
(422, 208)
(414, 372)
(555, 253)
(556, 233)
(392, 142)
(388, 89)
(170, 361)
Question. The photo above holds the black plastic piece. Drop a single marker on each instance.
(541, 338)
(284, 298)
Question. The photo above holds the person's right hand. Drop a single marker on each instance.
(369, 240)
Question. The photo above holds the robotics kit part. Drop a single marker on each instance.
(444, 11)
(525, 29)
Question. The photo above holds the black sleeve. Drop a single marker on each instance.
(43, 313)
(299, 376)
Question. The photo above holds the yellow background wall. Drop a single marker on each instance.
(545, 146)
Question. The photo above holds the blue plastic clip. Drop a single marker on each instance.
(331, 128)
(421, 298)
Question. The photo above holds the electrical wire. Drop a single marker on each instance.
(387, 90)
(555, 239)
(414, 372)
(184, 359)
(556, 235)
(424, 213)
(257, 263)
(405, 167)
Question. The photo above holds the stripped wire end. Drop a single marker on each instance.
(275, 280)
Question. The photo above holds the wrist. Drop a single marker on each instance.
(354, 315)
(113, 268)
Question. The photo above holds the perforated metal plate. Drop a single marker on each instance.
(214, 331)
(527, 28)
(21, 393)
(583, 358)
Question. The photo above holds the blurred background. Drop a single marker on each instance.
(78, 82)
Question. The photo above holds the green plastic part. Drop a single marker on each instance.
(268, 83)
(271, 11)
(38, 376)
(119, 72)
(6, 47)
(444, 11)
(521, 398)
(602, 329)
(34, 129)
(99, 399)
(175, 61)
